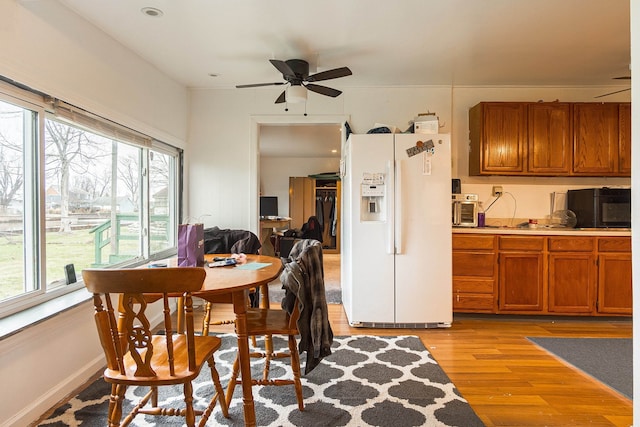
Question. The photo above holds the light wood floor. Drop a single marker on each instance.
(508, 380)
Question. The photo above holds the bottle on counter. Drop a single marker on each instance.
(480, 215)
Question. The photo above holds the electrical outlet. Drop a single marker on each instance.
(497, 191)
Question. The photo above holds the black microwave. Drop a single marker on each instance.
(601, 207)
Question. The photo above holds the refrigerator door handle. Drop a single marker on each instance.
(398, 218)
(390, 215)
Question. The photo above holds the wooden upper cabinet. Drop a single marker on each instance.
(624, 139)
(549, 138)
(595, 139)
(497, 133)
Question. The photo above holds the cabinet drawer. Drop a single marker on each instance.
(614, 244)
(473, 302)
(476, 264)
(477, 242)
(479, 286)
(571, 244)
(521, 243)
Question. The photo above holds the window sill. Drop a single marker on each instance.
(17, 322)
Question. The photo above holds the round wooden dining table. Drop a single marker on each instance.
(231, 284)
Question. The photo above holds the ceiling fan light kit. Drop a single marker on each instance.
(296, 94)
(295, 72)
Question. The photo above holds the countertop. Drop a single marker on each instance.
(545, 231)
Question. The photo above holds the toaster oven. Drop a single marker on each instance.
(464, 210)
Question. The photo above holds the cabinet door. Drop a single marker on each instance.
(521, 281)
(595, 139)
(549, 139)
(498, 132)
(614, 283)
(301, 200)
(624, 140)
(571, 283)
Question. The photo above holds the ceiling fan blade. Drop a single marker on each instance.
(329, 74)
(323, 90)
(281, 98)
(611, 93)
(282, 66)
(260, 84)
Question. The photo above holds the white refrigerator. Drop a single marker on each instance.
(396, 230)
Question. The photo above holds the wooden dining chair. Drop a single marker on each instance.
(268, 322)
(135, 356)
(303, 280)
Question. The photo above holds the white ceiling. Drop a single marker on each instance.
(401, 42)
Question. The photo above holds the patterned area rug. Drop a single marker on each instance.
(368, 380)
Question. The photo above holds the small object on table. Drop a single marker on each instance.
(222, 263)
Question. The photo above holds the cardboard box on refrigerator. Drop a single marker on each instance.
(426, 124)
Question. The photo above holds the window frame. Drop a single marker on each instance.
(34, 215)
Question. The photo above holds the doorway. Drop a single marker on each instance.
(295, 146)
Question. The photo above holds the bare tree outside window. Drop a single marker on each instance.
(129, 176)
(92, 185)
(69, 151)
(11, 175)
(87, 176)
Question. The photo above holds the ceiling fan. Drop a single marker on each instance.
(295, 72)
(617, 91)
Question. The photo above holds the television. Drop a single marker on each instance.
(268, 206)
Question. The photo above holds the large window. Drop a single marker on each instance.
(77, 191)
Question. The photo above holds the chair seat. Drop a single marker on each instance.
(204, 348)
(269, 321)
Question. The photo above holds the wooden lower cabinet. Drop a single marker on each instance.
(559, 275)
(521, 274)
(571, 283)
(572, 279)
(474, 271)
(614, 276)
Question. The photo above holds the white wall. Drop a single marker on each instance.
(294, 151)
(78, 64)
(275, 173)
(225, 113)
(223, 149)
(46, 362)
